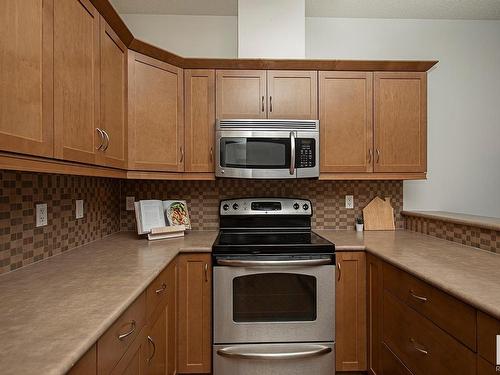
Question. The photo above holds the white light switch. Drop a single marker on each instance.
(79, 209)
(130, 203)
(41, 215)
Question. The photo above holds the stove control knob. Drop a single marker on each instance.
(225, 207)
(235, 206)
(305, 206)
(296, 206)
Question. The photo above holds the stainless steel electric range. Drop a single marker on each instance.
(274, 290)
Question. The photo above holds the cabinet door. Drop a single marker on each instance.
(194, 354)
(346, 127)
(241, 94)
(400, 117)
(87, 365)
(293, 94)
(135, 359)
(350, 312)
(199, 113)
(76, 80)
(156, 119)
(113, 98)
(171, 326)
(26, 89)
(156, 362)
(374, 282)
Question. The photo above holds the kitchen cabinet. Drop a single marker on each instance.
(487, 330)
(113, 95)
(156, 118)
(350, 312)
(194, 313)
(157, 339)
(292, 94)
(400, 121)
(26, 77)
(135, 359)
(346, 126)
(76, 80)
(87, 365)
(199, 119)
(374, 286)
(241, 94)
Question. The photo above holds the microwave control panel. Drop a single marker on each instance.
(305, 153)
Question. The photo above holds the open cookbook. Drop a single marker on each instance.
(162, 219)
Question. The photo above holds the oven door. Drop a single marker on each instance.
(280, 302)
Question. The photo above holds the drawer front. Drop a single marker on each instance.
(115, 341)
(422, 346)
(391, 364)
(157, 292)
(486, 368)
(450, 314)
(487, 330)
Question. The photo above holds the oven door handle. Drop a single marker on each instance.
(273, 263)
(298, 352)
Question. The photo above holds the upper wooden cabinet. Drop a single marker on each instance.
(292, 94)
(199, 120)
(76, 80)
(350, 312)
(241, 94)
(113, 98)
(156, 118)
(400, 122)
(26, 83)
(346, 128)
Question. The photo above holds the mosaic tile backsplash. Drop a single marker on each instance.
(328, 198)
(21, 243)
(486, 239)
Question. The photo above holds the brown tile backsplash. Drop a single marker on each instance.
(328, 198)
(21, 243)
(486, 239)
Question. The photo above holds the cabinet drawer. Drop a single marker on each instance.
(115, 341)
(450, 314)
(157, 292)
(485, 368)
(422, 346)
(391, 364)
(487, 330)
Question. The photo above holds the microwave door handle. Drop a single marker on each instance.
(292, 152)
(298, 352)
(274, 263)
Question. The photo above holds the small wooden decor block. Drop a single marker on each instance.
(379, 215)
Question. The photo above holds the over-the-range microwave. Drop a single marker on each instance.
(267, 149)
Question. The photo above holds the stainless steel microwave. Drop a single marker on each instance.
(267, 149)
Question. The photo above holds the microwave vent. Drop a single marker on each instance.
(269, 124)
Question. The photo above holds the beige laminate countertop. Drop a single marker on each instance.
(53, 311)
(486, 222)
(470, 274)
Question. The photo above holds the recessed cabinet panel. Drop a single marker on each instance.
(156, 131)
(76, 80)
(26, 77)
(346, 127)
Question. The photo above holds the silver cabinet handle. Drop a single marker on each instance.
(150, 340)
(417, 297)
(262, 103)
(211, 154)
(162, 288)
(340, 271)
(270, 103)
(182, 155)
(107, 140)
(298, 352)
(206, 272)
(370, 155)
(418, 347)
(292, 152)
(124, 335)
(101, 136)
(378, 155)
(273, 263)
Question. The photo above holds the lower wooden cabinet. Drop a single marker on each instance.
(350, 312)
(135, 359)
(194, 314)
(374, 287)
(87, 365)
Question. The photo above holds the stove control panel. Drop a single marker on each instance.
(265, 206)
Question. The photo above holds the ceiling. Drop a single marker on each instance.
(425, 9)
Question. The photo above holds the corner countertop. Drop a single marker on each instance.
(485, 222)
(53, 311)
(470, 274)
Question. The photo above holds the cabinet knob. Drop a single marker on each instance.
(378, 155)
(270, 103)
(101, 136)
(106, 135)
(182, 155)
(150, 340)
(262, 103)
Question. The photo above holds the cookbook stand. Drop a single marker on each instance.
(161, 233)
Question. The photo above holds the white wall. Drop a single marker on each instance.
(188, 36)
(271, 29)
(463, 100)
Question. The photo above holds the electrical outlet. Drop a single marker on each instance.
(130, 203)
(41, 215)
(79, 209)
(349, 201)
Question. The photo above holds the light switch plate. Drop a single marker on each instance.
(349, 201)
(79, 209)
(130, 203)
(41, 214)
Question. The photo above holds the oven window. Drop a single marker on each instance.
(274, 297)
(255, 153)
